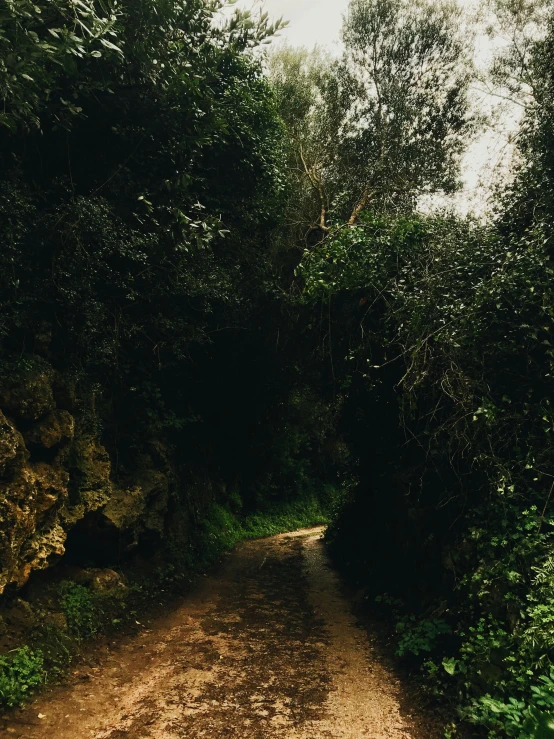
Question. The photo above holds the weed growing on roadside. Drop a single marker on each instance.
(21, 672)
(520, 719)
(418, 636)
(80, 608)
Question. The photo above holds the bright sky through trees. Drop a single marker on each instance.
(311, 21)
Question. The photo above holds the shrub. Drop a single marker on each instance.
(20, 673)
(419, 636)
(80, 608)
(521, 719)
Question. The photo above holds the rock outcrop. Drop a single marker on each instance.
(56, 427)
(54, 472)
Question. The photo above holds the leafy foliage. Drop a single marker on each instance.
(446, 324)
(416, 636)
(20, 673)
(80, 609)
(135, 229)
(41, 45)
(154, 191)
(523, 720)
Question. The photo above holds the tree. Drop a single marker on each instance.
(405, 131)
(304, 81)
(40, 43)
(389, 119)
(515, 27)
(528, 200)
(133, 225)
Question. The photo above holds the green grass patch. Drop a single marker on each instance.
(220, 530)
(289, 517)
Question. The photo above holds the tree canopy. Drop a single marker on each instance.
(388, 120)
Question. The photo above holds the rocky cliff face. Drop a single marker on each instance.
(56, 477)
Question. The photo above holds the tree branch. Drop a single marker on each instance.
(316, 183)
(367, 196)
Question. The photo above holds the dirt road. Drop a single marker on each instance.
(267, 649)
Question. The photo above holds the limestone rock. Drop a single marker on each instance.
(55, 428)
(29, 539)
(106, 581)
(91, 486)
(41, 501)
(142, 506)
(28, 397)
(40, 551)
(50, 485)
(20, 615)
(98, 579)
(56, 619)
(11, 442)
(125, 507)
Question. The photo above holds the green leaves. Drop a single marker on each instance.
(382, 124)
(20, 673)
(37, 43)
(363, 257)
(417, 636)
(522, 719)
(446, 328)
(80, 608)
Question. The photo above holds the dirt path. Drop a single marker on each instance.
(267, 649)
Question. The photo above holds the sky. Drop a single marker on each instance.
(319, 22)
(311, 21)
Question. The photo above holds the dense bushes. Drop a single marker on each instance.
(141, 183)
(452, 322)
(446, 325)
(114, 229)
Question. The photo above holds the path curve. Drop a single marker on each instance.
(266, 649)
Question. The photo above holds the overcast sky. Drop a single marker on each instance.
(311, 21)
